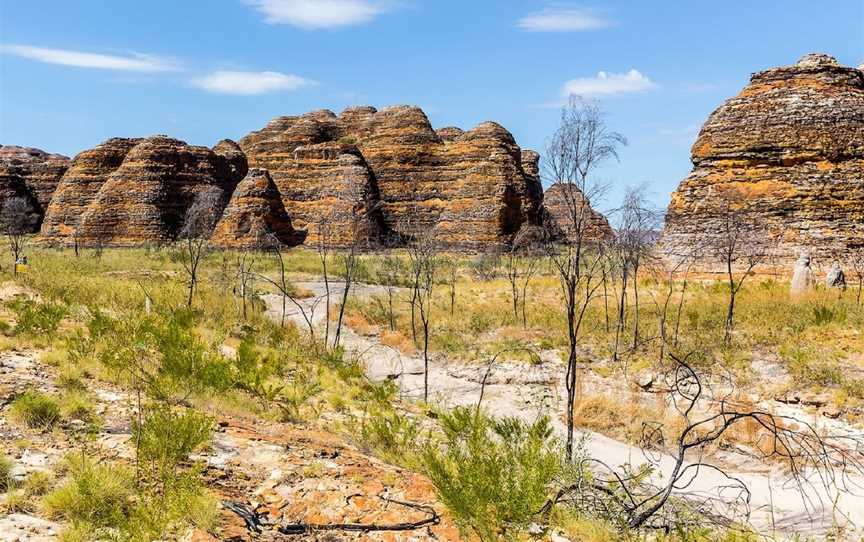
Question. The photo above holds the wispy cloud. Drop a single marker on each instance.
(318, 14)
(250, 83)
(563, 18)
(64, 57)
(607, 84)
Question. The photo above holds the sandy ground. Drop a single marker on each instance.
(527, 391)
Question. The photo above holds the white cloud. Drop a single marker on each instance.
(135, 62)
(606, 84)
(317, 14)
(250, 83)
(563, 18)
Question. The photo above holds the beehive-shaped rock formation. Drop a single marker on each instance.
(567, 212)
(788, 150)
(255, 217)
(470, 186)
(136, 191)
(30, 174)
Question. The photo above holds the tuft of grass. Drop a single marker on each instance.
(35, 409)
(96, 494)
(6, 466)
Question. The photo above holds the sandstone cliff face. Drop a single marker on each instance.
(471, 186)
(789, 150)
(31, 174)
(564, 202)
(255, 216)
(135, 191)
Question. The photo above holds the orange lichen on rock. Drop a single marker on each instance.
(790, 147)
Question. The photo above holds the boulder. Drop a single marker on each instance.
(802, 276)
(835, 278)
(255, 216)
(790, 149)
(31, 174)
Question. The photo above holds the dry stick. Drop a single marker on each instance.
(254, 523)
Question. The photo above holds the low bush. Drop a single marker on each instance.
(37, 319)
(5, 472)
(166, 437)
(35, 409)
(493, 475)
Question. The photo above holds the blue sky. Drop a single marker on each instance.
(74, 73)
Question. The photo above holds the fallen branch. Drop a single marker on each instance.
(255, 522)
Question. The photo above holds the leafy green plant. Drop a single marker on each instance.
(167, 437)
(35, 409)
(37, 319)
(493, 475)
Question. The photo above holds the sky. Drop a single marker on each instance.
(74, 73)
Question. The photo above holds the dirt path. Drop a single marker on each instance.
(526, 391)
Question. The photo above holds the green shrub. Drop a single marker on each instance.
(493, 475)
(35, 409)
(97, 494)
(391, 435)
(5, 472)
(38, 319)
(167, 437)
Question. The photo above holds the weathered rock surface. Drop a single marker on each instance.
(31, 174)
(135, 191)
(788, 149)
(79, 186)
(255, 216)
(470, 186)
(562, 203)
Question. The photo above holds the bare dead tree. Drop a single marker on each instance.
(423, 257)
(856, 262)
(580, 144)
(323, 246)
(245, 277)
(814, 460)
(521, 264)
(741, 245)
(448, 270)
(277, 248)
(632, 246)
(350, 264)
(195, 234)
(669, 269)
(17, 220)
(390, 275)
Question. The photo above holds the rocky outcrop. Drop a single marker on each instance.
(31, 174)
(788, 151)
(79, 186)
(136, 191)
(567, 211)
(469, 186)
(255, 216)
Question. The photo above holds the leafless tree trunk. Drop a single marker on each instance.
(581, 142)
(16, 219)
(323, 246)
(743, 242)
(199, 222)
(856, 261)
(422, 252)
